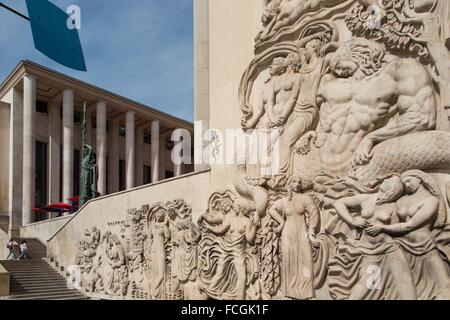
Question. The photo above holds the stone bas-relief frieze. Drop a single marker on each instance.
(153, 255)
(358, 91)
(360, 206)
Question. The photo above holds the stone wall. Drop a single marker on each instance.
(4, 164)
(4, 282)
(4, 239)
(358, 93)
(106, 219)
(45, 230)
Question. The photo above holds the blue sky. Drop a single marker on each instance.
(141, 49)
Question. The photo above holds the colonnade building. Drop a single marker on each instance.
(41, 142)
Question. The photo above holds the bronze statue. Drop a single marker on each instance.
(88, 178)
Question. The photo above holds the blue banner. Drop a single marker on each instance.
(53, 36)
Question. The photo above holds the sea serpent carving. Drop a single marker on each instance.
(426, 150)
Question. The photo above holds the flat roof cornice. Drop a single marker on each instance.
(65, 81)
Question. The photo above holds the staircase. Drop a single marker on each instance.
(36, 250)
(36, 280)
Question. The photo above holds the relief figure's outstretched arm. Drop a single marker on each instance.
(257, 112)
(343, 207)
(219, 230)
(251, 228)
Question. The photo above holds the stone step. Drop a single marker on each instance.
(41, 280)
(74, 298)
(26, 268)
(22, 262)
(37, 280)
(30, 286)
(53, 292)
(29, 270)
(33, 275)
(49, 296)
(34, 280)
(39, 290)
(19, 264)
(20, 277)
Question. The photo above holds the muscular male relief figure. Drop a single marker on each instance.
(365, 87)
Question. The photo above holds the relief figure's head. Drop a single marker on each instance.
(390, 190)
(357, 54)
(412, 184)
(278, 66)
(160, 215)
(313, 47)
(294, 184)
(226, 205)
(295, 60)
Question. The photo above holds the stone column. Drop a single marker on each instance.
(68, 136)
(139, 157)
(177, 168)
(201, 66)
(155, 151)
(15, 161)
(54, 147)
(130, 149)
(101, 147)
(29, 148)
(114, 157)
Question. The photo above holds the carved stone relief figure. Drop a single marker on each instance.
(226, 268)
(417, 28)
(86, 255)
(115, 279)
(352, 122)
(296, 109)
(283, 13)
(298, 220)
(362, 254)
(88, 247)
(288, 101)
(135, 234)
(421, 211)
(185, 236)
(159, 234)
(219, 206)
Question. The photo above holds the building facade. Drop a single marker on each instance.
(41, 115)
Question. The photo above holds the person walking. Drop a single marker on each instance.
(10, 247)
(23, 250)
